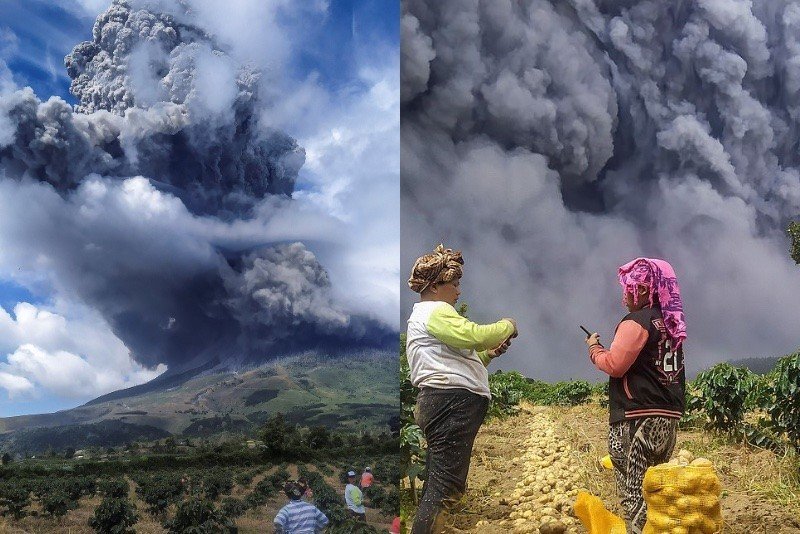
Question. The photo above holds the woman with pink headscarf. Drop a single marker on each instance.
(647, 379)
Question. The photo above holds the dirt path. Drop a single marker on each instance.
(526, 471)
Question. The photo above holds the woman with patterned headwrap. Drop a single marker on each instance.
(647, 379)
(448, 355)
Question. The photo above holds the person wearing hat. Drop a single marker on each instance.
(367, 478)
(308, 493)
(299, 517)
(448, 355)
(354, 498)
(647, 380)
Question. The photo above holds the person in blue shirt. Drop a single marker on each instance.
(299, 517)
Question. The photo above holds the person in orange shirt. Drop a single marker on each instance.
(647, 379)
(367, 478)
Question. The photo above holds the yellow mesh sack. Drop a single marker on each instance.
(605, 461)
(682, 499)
(594, 516)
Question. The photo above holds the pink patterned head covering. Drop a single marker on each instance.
(659, 277)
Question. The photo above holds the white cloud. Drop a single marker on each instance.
(15, 385)
(353, 171)
(75, 358)
(8, 46)
(89, 8)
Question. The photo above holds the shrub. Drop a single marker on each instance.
(114, 516)
(507, 390)
(233, 507)
(794, 234)
(571, 393)
(391, 503)
(374, 496)
(724, 390)
(217, 482)
(14, 499)
(693, 415)
(785, 412)
(56, 502)
(158, 491)
(199, 516)
(113, 487)
(244, 478)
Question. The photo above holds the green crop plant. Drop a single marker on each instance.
(724, 390)
(785, 412)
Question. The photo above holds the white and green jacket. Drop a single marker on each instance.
(445, 350)
(354, 499)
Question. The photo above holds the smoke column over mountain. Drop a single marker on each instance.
(554, 141)
(164, 199)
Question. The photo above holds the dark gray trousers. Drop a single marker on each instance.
(450, 419)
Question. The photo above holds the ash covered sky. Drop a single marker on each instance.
(197, 181)
(554, 141)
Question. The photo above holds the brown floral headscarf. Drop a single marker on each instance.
(443, 265)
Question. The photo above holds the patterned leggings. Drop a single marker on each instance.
(635, 445)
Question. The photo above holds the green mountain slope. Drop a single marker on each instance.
(359, 392)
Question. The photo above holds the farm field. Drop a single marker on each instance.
(753, 500)
(542, 443)
(223, 495)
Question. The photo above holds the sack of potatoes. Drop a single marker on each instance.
(596, 518)
(682, 497)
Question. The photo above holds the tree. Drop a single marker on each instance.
(6, 458)
(275, 434)
(794, 233)
(69, 453)
(319, 437)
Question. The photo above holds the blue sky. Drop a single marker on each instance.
(352, 54)
(46, 31)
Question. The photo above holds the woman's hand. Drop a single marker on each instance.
(514, 323)
(499, 350)
(594, 339)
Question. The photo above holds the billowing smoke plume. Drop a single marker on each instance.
(162, 202)
(156, 98)
(554, 141)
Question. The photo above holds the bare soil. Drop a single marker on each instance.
(759, 494)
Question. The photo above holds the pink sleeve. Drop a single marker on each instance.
(628, 343)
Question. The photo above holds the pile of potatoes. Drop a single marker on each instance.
(549, 481)
(682, 496)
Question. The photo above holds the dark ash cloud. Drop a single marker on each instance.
(554, 141)
(163, 203)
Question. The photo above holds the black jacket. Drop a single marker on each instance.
(656, 382)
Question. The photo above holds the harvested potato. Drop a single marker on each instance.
(553, 527)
